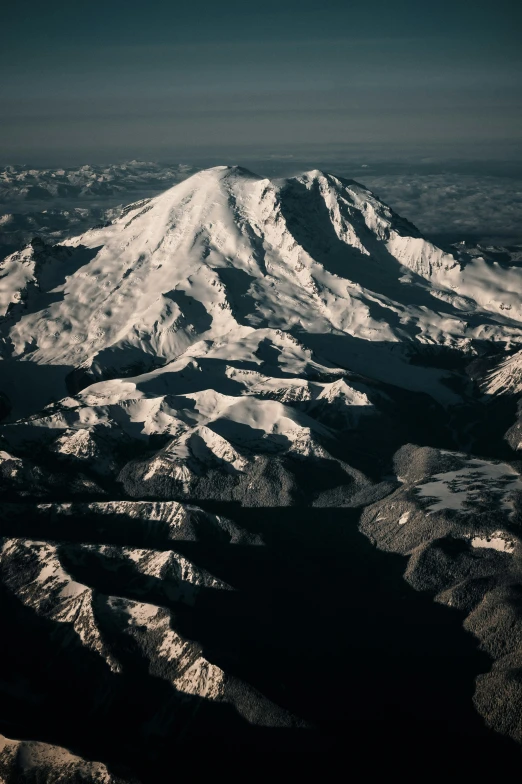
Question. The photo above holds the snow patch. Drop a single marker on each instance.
(495, 541)
(477, 483)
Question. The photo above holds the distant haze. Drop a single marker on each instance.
(105, 81)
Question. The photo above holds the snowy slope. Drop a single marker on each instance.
(264, 345)
(225, 250)
(233, 317)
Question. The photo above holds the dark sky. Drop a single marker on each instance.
(117, 79)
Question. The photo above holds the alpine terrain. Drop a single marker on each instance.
(261, 486)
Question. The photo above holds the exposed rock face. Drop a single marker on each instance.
(25, 760)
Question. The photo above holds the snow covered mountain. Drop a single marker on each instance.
(57, 203)
(239, 344)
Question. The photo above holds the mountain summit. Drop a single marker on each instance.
(227, 253)
(239, 344)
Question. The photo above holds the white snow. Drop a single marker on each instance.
(226, 315)
(193, 673)
(466, 488)
(6, 456)
(495, 541)
(55, 594)
(225, 260)
(506, 377)
(230, 308)
(16, 272)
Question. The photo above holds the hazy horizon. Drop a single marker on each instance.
(122, 80)
(421, 102)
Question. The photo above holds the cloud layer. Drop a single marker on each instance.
(456, 206)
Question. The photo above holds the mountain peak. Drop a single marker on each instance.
(226, 252)
(222, 172)
(260, 344)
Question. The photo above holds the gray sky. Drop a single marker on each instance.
(111, 80)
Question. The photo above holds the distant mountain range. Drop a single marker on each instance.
(201, 400)
(57, 203)
(23, 183)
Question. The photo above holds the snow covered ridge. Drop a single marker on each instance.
(233, 317)
(50, 590)
(242, 343)
(106, 608)
(225, 253)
